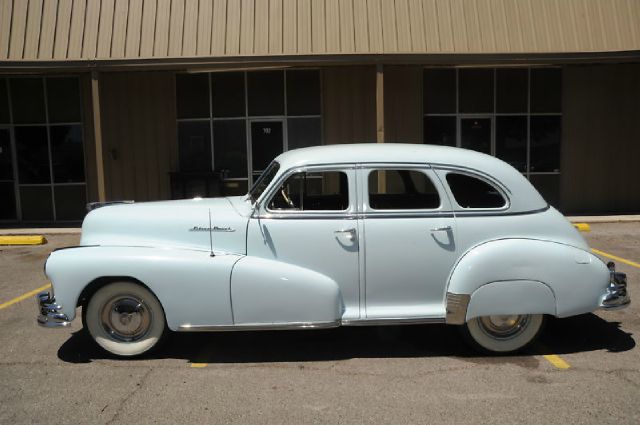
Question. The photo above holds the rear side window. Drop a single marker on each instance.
(401, 190)
(318, 191)
(471, 192)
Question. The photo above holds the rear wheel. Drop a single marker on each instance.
(503, 334)
(125, 319)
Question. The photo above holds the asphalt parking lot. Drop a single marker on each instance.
(585, 369)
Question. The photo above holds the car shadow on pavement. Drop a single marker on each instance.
(577, 334)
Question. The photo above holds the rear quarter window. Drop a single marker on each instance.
(472, 192)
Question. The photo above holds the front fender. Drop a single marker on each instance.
(515, 269)
(192, 286)
(272, 292)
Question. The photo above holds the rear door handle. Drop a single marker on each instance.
(441, 229)
(349, 233)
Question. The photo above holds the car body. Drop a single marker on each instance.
(328, 236)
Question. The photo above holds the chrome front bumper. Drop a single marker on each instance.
(50, 316)
(616, 295)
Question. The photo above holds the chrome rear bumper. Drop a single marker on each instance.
(50, 316)
(616, 295)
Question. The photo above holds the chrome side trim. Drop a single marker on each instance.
(396, 214)
(312, 325)
(306, 216)
(457, 308)
(50, 316)
(260, 326)
(393, 321)
(94, 205)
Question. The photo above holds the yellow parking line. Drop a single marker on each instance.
(557, 361)
(199, 365)
(24, 296)
(613, 257)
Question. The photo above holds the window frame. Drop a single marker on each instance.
(12, 126)
(426, 169)
(349, 169)
(528, 114)
(442, 173)
(246, 118)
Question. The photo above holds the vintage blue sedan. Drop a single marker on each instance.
(342, 235)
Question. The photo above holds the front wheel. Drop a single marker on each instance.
(125, 319)
(503, 334)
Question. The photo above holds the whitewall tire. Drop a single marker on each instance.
(503, 334)
(125, 319)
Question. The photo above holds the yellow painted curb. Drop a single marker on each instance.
(23, 240)
(583, 227)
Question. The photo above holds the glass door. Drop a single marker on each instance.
(267, 142)
(476, 133)
(8, 210)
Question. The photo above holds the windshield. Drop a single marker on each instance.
(263, 181)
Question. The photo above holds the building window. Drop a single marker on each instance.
(41, 149)
(512, 113)
(235, 123)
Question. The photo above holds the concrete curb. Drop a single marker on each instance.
(41, 231)
(604, 218)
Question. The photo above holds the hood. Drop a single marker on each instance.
(183, 224)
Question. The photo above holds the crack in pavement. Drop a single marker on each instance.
(127, 397)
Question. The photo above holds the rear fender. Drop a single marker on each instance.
(511, 297)
(523, 274)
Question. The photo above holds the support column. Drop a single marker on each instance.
(382, 178)
(379, 103)
(97, 136)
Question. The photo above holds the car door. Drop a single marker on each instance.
(409, 241)
(309, 220)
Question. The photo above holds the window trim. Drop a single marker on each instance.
(264, 211)
(368, 169)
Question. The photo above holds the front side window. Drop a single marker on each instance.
(313, 191)
(401, 190)
(471, 192)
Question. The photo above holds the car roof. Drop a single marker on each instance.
(522, 195)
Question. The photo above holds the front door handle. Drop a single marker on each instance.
(349, 233)
(441, 229)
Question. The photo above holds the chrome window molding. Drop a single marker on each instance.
(396, 213)
(502, 189)
(264, 200)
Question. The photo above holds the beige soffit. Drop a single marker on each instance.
(86, 30)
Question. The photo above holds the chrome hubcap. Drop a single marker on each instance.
(504, 326)
(126, 318)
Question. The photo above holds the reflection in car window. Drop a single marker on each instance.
(401, 190)
(263, 181)
(471, 192)
(317, 191)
